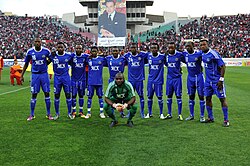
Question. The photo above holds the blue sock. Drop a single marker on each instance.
(32, 107)
(69, 105)
(56, 105)
(101, 104)
(210, 112)
(73, 104)
(142, 104)
(225, 112)
(179, 103)
(191, 107)
(81, 102)
(202, 108)
(160, 103)
(150, 103)
(89, 105)
(169, 104)
(47, 103)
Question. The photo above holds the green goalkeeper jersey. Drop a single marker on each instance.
(120, 94)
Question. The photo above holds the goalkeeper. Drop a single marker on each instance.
(120, 95)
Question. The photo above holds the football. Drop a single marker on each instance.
(119, 107)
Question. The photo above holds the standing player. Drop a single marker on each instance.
(155, 78)
(95, 81)
(195, 79)
(120, 91)
(214, 82)
(136, 72)
(39, 78)
(78, 79)
(174, 79)
(61, 62)
(116, 63)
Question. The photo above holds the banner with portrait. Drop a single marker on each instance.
(111, 23)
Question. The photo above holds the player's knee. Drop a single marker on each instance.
(34, 95)
(46, 94)
(192, 97)
(67, 95)
(201, 97)
(57, 95)
(150, 97)
(159, 97)
(141, 97)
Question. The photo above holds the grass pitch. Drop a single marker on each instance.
(150, 142)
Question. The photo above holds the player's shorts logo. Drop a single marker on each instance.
(99, 62)
(90, 63)
(160, 61)
(196, 59)
(150, 62)
(120, 63)
(43, 56)
(66, 60)
(176, 59)
(139, 58)
(208, 59)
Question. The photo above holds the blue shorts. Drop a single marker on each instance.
(174, 85)
(62, 81)
(78, 87)
(40, 80)
(212, 88)
(138, 87)
(196, 82)
(92, 88)
(154, 88)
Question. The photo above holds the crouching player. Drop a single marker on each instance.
(120, 91)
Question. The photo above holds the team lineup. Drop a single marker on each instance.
(120, 94)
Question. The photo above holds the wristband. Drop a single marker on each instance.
(221, 79)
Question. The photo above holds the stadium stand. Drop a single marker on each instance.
(229, 35)
(17, 34)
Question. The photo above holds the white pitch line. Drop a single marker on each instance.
(14, 91)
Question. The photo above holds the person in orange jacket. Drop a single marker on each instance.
(15, 72)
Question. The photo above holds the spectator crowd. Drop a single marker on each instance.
(229, 35)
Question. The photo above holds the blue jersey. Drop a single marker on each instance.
(61, 64)
(39, 60)
(136, 70)
(212, 61)
(115, 65)
(78, 67)
(193, 62)
(173, 62)
(156, 68)
(95, 70)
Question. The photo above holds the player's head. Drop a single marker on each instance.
(119, 78)
(110, 6)
(190, 47)
(133, 48)
(171, 47)
(15, 61)
(94, 51)
(154, 48)
(115, 51)
(79, 49)
(60, 48)
(37, 43)
(204, 45)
